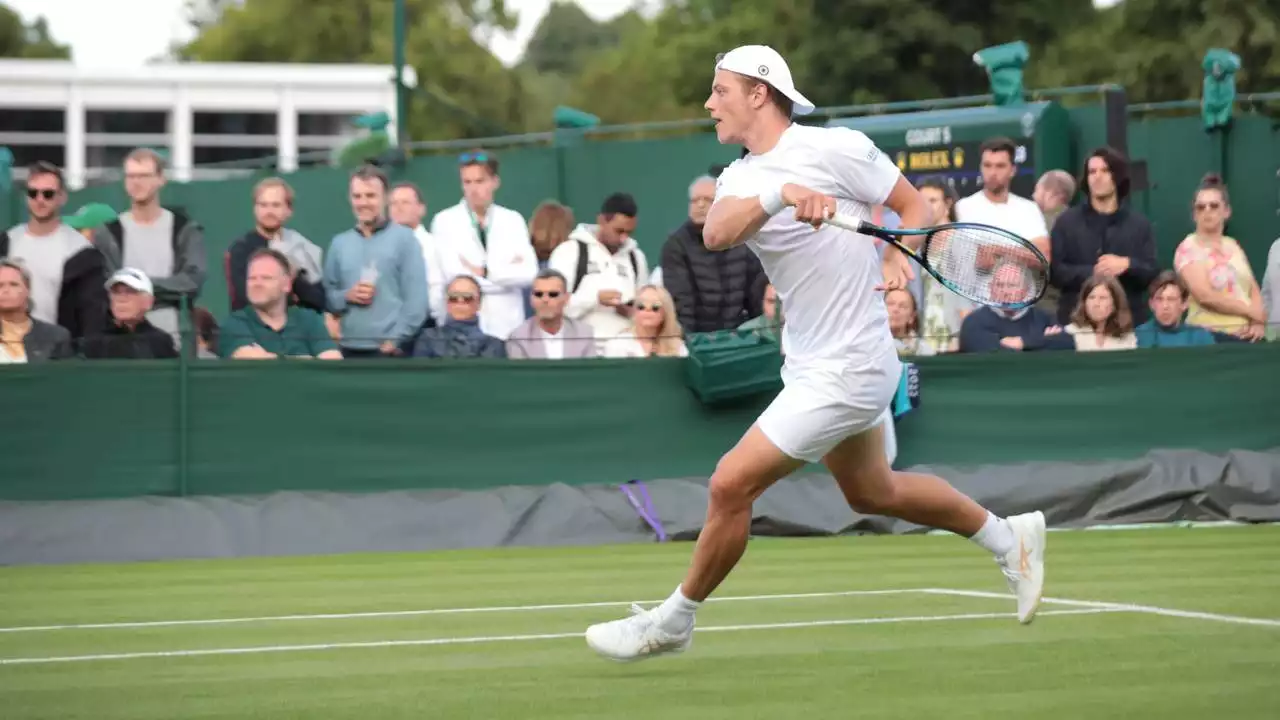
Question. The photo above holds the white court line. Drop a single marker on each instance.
(521, 638)
(1129, 607)
(442, 611)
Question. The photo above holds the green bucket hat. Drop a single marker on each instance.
(89, 216)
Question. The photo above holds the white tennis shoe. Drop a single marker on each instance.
(1023, 566)
(637, 637)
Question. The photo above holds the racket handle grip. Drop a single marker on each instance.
(847, 222)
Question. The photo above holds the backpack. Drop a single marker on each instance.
(581, 271)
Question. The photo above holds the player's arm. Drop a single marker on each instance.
(732, 220)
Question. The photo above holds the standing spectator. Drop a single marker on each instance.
(23, 338)
(655, 330)
(1169, 296)
(375, 275)
(460, 336)
(605, 266)
(988, 329)
(408, 208)
(1053, 194)
(1103, 236)
(272, 208)
(1271, 291)
(66, 272)
(269, 328)
(550, 225)
(488, 242)
(1102, 319)
(1225, 298)
(996, 205)
(942, 311)
(712, 290)
(165, 245)
(131, 335)
(549, 334)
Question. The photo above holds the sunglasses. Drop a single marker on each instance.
(654, 307)
(470, 158)
(462, 298)
(47, 194)
(546, 293)
(1201, 207)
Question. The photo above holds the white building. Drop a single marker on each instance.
(86, 120)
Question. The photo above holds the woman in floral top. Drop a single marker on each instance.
(1225, 297)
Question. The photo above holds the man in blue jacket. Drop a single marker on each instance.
(987, 329)
(374, 276)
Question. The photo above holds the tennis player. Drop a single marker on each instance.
(841, 366)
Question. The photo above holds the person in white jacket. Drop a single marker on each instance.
(407, 207)
(605, 268)
(488, 242)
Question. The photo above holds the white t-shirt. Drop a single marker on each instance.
(1017, 215)
(552, 345)
(825, 278)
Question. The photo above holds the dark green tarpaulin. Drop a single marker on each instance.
(112, 429)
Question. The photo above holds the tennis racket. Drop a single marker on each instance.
(979, 262)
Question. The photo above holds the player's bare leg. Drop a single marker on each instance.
(871, 487)
(741, 476)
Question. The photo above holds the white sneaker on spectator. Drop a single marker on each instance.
(1023, 566)
(637, 637)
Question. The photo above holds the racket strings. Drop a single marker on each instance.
(987, 266)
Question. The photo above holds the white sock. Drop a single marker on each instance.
(995, 536)
(675, 614)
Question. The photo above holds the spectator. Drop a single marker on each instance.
(206, 333)
(131, 335)
(1053, 194)
(488, 242)
(996, 205)
(23, 338)
(269, 328)
(550, 225)
(1271, 291)
(904, 323)
(164, 245)
(65, 271)
(1103, 236)
(655, 330)
(272, 208)
(89, 218)
(1169, 296)
(606, 266)
(460, 336)
(408, 208)
(942, 311)
(549, 334)
(988, 329)
(375, 275)
(1225, 298)
(712, 290)
(768, 325)
(1102, 319)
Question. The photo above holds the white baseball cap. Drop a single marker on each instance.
(132, 277)
(766, 65)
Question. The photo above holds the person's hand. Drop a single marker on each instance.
(1111, 265)
(896, 269)
(253, 352)
(811, 207)
(474, 269)
(609, 298)
(360, 294)
(1013, 343)
(389, 347)
(1253, 332)
(1053, 330)
(333, 325)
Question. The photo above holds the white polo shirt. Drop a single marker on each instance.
(1017, 215)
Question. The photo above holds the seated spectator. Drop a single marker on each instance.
(460, 336)
(1225, 298)
(1102, 320)
(655, 331)
(1169, 296)
(987, 329)
(769, 324)
(206, 333)
(1271, 291)
(130, 335)
(272, 208)
(941, 310)
(24, 339)
(271, 328)
(904, 323)
(549, 334)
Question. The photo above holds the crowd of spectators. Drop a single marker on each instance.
(479, 281)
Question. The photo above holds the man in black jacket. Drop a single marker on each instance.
(272, 208)
(130, 336)
(712, 290)
(1103, 236)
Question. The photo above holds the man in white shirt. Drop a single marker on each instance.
(549, 335)
(407, 207)
(996, 205)
(841, 369)
(488, 242)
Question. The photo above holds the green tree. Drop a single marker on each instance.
(565, 37)
(19, 40)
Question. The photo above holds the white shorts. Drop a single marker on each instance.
(821, 404)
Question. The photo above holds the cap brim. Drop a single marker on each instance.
(801, 104)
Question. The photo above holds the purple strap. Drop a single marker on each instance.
(646, 510)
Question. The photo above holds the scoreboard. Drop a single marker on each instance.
(960, 163)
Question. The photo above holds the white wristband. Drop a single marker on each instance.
(771, 201)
